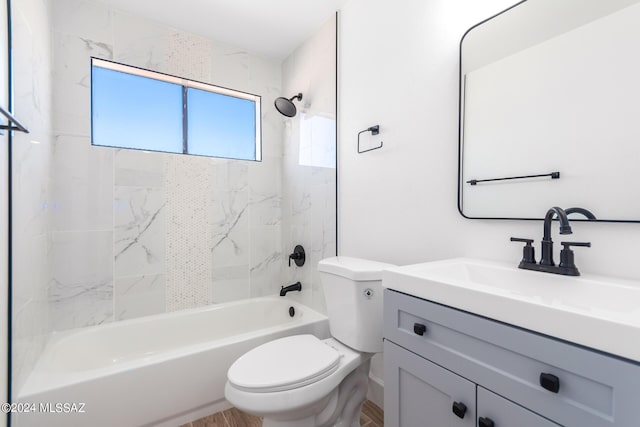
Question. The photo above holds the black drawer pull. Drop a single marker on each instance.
(550, 382)
(460, 409)
(485, 422)
(419, 328)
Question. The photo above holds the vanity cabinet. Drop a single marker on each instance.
(496, 411)
(505, 376)
(421, 393)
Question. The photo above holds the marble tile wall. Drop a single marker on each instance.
(85, 223)
(33, 204)
(177, 231)
(309, 196)
(117, 234)
(139, 244)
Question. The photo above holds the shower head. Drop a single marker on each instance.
(285, 106)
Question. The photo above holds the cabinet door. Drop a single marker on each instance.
(504, 413)
(418, 393)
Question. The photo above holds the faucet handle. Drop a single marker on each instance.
(567, 261)
(520, 239)
(528, 251)
(568, 245)
(298, 256)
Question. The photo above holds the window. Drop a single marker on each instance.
(317, 141)
(145, 110)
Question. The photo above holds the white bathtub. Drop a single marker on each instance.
(160, 370)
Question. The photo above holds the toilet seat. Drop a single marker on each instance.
(284, 364)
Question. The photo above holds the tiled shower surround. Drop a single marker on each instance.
(129, 233)
(32, 156)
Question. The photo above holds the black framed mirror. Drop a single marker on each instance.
(548, 111)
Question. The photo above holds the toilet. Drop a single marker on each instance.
(302, 381)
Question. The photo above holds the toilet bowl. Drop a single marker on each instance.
(302, 381)
(310, 387)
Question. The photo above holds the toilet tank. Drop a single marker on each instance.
(353, 294)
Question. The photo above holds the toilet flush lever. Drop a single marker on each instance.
(298, 256)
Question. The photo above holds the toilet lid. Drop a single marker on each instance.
(284, 364)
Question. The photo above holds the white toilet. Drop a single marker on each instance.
(302, 381)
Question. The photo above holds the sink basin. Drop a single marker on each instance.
(598, 312)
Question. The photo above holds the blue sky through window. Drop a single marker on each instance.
(135, 112)
(140, 109)
(221, 125)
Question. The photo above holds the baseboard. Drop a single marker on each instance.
(196, 414)
(374, 394)
(376, 391)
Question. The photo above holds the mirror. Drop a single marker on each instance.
(549, 109)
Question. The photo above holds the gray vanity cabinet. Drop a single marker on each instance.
(506, 376)
(504, 413)
(421, 393)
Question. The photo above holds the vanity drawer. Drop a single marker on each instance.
(594, 389)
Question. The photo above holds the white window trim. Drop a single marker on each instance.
(256, 99)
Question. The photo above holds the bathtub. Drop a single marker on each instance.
(161, 370)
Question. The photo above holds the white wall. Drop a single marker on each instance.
(399, 68)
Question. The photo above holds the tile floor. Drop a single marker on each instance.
(371, 416)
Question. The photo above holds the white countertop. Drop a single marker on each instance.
(598, 312)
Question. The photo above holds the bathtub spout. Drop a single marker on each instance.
(295, 287)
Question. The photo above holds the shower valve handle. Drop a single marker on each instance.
(294, 257)
(298, 256)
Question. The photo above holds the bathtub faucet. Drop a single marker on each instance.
(295, 287)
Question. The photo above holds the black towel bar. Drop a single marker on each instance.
(553, 175)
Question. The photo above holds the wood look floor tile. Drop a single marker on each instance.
(236, 418)
(371, 416)
(364, 420)
(374, 413)
(215, 420)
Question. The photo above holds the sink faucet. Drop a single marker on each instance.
(295, 287)
(567, 266)
(582, 211)
(547, 243)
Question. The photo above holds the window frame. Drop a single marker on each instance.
(185, 84)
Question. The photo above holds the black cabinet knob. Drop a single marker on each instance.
(550, 382)
(459, 409)
(419, 328)
(485, 422)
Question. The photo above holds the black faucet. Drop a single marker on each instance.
(582, 211)
(567, 266)
(547, 243)
(295, 287)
